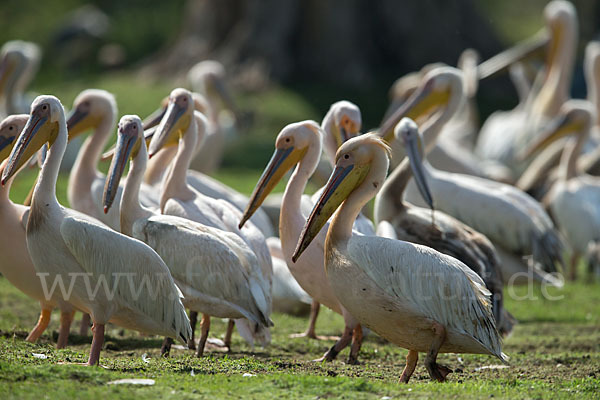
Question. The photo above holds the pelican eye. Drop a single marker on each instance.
(287, 140)
(346, 156)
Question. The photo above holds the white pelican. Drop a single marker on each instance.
(19, 62)
(438, 231)
(510, 218)
(409, 294)
(180, 199)
(95, 109)
(299, 145)
(15, 264)
(208, 78)
(67, 245)
(574, 199)
(216, 271)
(504, 133)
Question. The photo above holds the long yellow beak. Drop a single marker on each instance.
(281, 162)
(343, 180)
(154, 119)
(79, 121)
(558, 128)
(6, 145)
(172, 126)
(421, 103)
(127, 145)
(38, 130)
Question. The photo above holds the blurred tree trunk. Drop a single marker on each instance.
(339, 41)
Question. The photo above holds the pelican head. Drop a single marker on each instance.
(42, 127)
(407, 132)
(441, 88)
(560, 17)
(175, 122)
(576, 116)
(19, 61)
(10, 128)
(290, 146)
(342, 122)
(90, 108)
(130, 134)
(208, 77)
(353, 163)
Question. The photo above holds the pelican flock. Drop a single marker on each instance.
(461, 209)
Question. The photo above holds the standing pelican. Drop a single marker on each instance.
(19, 62)
(67, 245)
(503, 133)
(216, 271)
(510, 218)
(299, 145)
(15, 264)
(438, 231)
(574, 199)
(96, 109)
(178, 198)
(409, 294)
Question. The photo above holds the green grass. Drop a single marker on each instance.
(553, 353)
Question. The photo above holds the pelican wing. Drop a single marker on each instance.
(208, 262)
(431, 283)
(140, 279)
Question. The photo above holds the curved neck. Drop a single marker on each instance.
(5, 192)
(85, 168)
(329, 143)
(45, 190)
(390, 197)
(131, 209)
(433, 126)
(568, 161)
(175, 184)
(593, 85)
(156, 166)
(291, 210)
(343, 220)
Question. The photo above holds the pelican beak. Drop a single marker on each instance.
(6, 145)
(420, 104)
(343, 180)
(282, 161)
(526, 50)
(559, 127)
(224, 95)
(172, 126)
(127, 146)
(79, 121)
(154, 119)
(414, 151)
(108, 154)
(37, 131)
(343, 133)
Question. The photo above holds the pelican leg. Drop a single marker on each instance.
(193, 322)
(340, 345)
(204, 328)
(310, 331)
(85, 324)
(411, 363)
(436, 371)
(66, 318)
(228, 334)
(165, 349)
(573, 266)
(97, 342)
(357, 339)
(41, 326)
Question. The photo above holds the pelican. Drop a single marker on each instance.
(401, 220)
(16, 265)
(503, 133)
(409, 294)
(95, 109)
(65, 244)
(510, 218)
(178, 198)
(299, 145)
(216, 271)
(574, 199)
(208, 78)
(19, 62)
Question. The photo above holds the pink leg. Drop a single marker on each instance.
(66, 318)
(310, 331)
(97, 342)
(204, 328)
(228, 334)
(85, 324)
(357, 339)
(436, 371)
(41, 326)
(411, 363)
